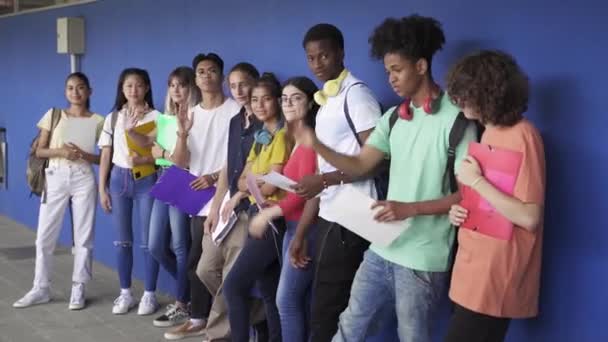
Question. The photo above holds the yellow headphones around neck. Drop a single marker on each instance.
(330, 88)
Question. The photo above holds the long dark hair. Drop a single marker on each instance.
(120, 96)
(308, 87)
(84, 79)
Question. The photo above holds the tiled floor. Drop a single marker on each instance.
(53, 321)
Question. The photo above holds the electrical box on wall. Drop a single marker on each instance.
(70, 35)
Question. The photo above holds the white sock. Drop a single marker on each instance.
(126, 292)
(197, 322)
(149, 293)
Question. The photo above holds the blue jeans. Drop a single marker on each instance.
(414, 297)
(294, 292)
(127, 193)
(257, 266)
(169, 244)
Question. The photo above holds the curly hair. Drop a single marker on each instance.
(413, 37)
(492, 83)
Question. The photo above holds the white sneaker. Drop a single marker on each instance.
(35, 296)
(123, 304)
(77, 298)
(147, 305)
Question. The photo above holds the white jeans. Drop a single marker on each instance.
(75, 182)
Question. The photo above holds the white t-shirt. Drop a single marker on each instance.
(333, 130)
(58, 137)
(120, 156)
(208, 138)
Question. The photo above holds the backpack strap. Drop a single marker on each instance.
(393, 120)
(55, 118)
(456, 135)
(381, 178)
(113, 120)
(347, 113)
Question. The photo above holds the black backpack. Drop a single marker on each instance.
(456, 135)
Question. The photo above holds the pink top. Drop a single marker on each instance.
(302, 162)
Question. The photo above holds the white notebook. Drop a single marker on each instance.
(223, 227)
(81, 132)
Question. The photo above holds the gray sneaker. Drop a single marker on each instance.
(174, 315)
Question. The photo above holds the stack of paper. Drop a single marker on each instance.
(278, 180)
(352, 210)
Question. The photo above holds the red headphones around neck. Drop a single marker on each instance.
(430, 105)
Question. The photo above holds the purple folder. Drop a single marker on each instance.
(173, 188)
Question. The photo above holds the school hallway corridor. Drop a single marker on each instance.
(53, 321)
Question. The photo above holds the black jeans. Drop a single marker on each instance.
(257, 266)
(470, 326)
(339, 254)
(200, 298)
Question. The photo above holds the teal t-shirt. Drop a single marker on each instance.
(418, 152)
(166, 135)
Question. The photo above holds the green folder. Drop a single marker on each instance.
(166, 135)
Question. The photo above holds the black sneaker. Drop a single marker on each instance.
(174, 315)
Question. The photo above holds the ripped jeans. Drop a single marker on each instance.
(127, 194)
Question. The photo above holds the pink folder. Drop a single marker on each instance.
(254, 190)
(501, 168)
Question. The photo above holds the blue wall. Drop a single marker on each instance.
(559, 43)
